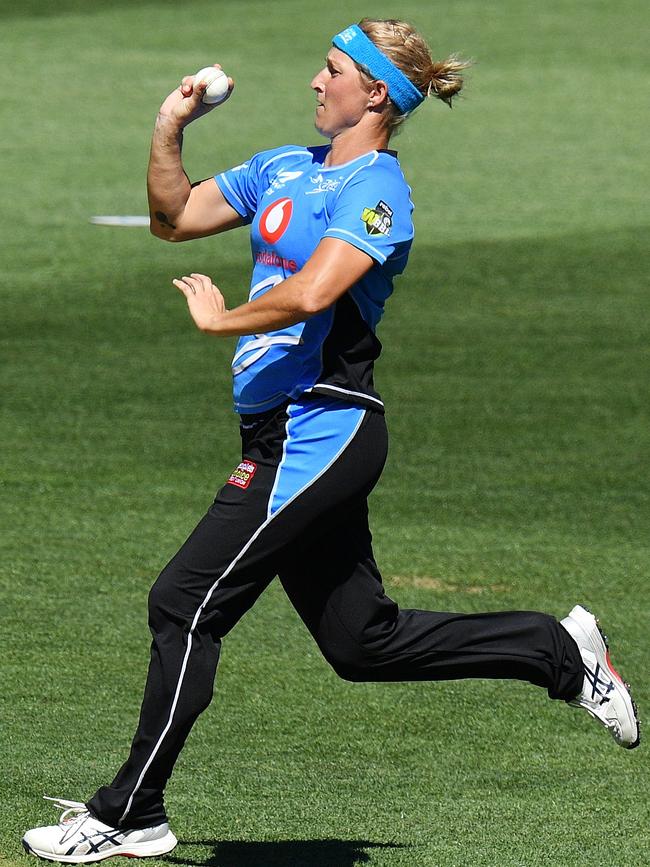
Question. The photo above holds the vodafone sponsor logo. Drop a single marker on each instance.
(268, 257)
(275, 219)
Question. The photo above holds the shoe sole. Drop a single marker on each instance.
(147, 849)
(604, 651)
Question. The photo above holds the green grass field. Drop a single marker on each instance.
(518, 476)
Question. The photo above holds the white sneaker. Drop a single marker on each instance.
(80, 839)
(605, 695)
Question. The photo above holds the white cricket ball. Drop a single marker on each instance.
(217, 88)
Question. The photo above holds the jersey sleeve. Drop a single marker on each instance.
(240, 185)
(373, 213)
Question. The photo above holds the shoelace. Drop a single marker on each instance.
(600, 682)
(70, 808)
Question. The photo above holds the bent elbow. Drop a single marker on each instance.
(309, 309)
(161, 232)
(314, 302)
(165, 236)
(161, 227)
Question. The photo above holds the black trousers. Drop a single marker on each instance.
(296, 508)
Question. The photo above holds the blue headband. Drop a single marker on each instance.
(354, 42)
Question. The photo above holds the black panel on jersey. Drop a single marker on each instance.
(349, 351)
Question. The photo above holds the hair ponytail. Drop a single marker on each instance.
(407, 49)
(446, 79)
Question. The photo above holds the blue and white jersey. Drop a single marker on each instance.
(292, 201)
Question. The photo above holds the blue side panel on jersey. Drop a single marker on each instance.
(317, 432)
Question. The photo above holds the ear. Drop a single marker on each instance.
(378, 94)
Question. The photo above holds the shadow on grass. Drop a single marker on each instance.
(283, 853)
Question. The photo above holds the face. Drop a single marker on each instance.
(341, 95)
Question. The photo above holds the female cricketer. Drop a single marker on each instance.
(330, 230)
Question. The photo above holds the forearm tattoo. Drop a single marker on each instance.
(164, 219)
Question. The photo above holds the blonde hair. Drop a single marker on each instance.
(407, 49)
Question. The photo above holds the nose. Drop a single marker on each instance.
(317, 83)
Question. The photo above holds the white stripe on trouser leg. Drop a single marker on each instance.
(207, 599)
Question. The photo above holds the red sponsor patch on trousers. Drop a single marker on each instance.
(243, 475)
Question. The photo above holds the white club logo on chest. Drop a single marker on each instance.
(323, 185)
(283, 177)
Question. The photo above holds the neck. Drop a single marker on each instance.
(345, 147)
